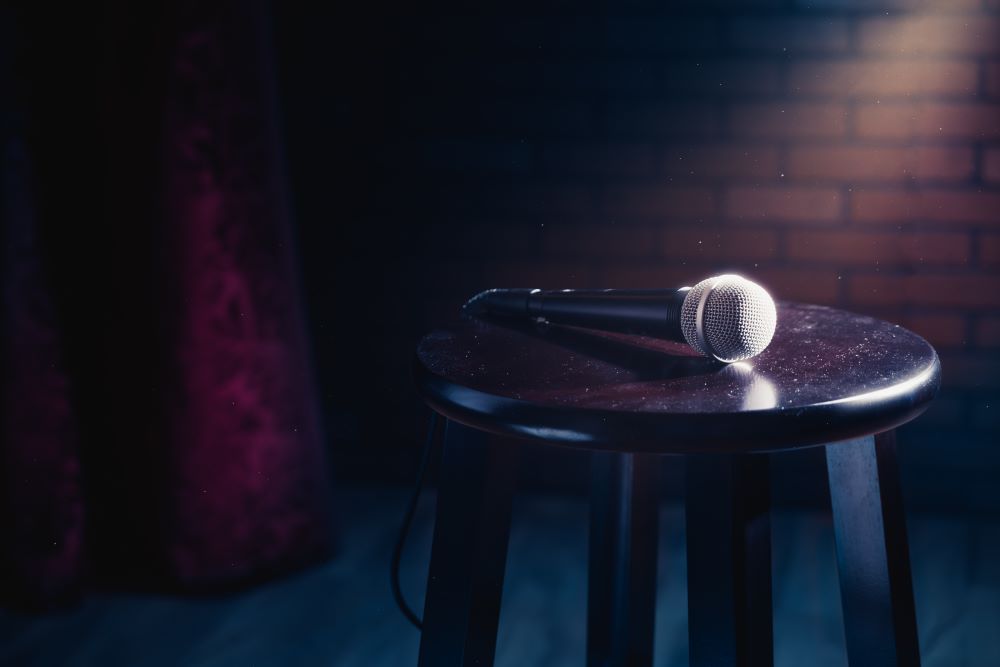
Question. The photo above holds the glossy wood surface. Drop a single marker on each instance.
(828, 375)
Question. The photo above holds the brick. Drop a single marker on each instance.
(446, 33)
(658, 274)
(959, 121)
(722, 77)
(884, 78)
(439, 276)
(545, 275)
(989, 249)
(956, 120)
(890, 164)
(662, 202)
(701, 4)
(987, 332)
(886, 4)
(808, 285)
(993, 79)
(884, 121)
(616, 76)
(721, 161)
(644, 120)
(506, 116)
(879, 248)
(437, 31)
(942, 163)
(991, 165)
(847, 163)
(550, 77)
(782, 204)
(605, 159)
(944, 411)
(954, 207)
(567, 199)
(551, 117)
(796, 35)
(970, 371)
(575, 34)
(602, 241)
(463, 237)
(953, 291)
(662, 34)
(713, 245)
(473, 155)
(986, 415)
(461, 196)
(930, 34)
(788, 121)
(944, 330)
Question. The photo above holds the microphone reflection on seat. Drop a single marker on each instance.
(759, 393)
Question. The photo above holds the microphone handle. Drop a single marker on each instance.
(649, 312)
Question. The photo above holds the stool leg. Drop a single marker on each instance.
(469, 551)
(729, 560)
(624, 535)
(872, 554)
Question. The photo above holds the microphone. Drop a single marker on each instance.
(726, 317)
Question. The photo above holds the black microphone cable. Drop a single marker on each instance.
(404, 529)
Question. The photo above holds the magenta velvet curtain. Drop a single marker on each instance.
(201, 460)
(248, 488)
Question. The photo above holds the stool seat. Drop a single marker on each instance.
(828, 375)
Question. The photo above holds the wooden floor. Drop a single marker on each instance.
(341, 614)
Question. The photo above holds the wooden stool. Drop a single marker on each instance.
(828, 377)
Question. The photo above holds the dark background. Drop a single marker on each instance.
(840, 152)
(218, 216)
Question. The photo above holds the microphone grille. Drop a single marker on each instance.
(738, 318)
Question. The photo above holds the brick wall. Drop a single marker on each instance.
(842, 152)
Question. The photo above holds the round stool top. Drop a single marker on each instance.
(828, 375)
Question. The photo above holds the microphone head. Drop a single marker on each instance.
(728, 317)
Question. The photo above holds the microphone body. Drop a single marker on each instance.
(725, 317)
(640, 312)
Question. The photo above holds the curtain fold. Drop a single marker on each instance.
(248, 488)
(41, 495)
